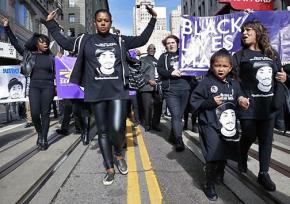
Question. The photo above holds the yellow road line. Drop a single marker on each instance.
(133, 190)
(152, 183)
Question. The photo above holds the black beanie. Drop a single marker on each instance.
(13, 82)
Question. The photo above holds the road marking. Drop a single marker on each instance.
(152, 183)
(133, 189)
(10, 127)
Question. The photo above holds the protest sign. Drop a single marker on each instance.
(202, 36)
(66, 90)
(12, 84)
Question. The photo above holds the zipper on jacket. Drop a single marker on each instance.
(166, 67)
(121, 49)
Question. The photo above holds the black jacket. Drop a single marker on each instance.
(127, 42)
(165, 68)
(148, 71)
(27, 49)
(202, 100)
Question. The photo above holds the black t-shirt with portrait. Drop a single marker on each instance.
(257, 73)
(103, 72)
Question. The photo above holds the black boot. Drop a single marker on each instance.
(209, 188)
(209, 191)
(171, 138)
(39, 136)
(179, 145)
(242, 165)
(85, 135)
(43, 143)
(194, 128)
(265, 180)
(185, 125)
(220, 171)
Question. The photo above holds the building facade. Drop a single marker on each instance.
(91, 7)
(24, 19)
(73, 19)
(175, 20)
(141, 19)
(213, 7)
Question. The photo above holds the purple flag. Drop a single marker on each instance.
(200, 37)
(63, 68)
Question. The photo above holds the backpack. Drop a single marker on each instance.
(136, 78)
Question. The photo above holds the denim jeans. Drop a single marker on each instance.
(176, 101)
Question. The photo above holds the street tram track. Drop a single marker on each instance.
(24, 139)
(247, 180)
(31, 192)
(20, 159)
(282, 133)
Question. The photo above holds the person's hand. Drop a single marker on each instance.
(249, 11)
(218, 100)
(59, 54)
(5, 22)
(281, 76)
(151, 11)
(51, 15)
(244, 102)
(152, 82)
(176, 73)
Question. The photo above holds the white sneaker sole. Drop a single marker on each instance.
(107, 183)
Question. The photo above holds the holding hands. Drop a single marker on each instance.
(244, 102)
(176, 73)
(281, 75)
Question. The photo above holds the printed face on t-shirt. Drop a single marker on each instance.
(264, 76)
(174, 62)
(15, 91)
(228, 119)
(107, 60)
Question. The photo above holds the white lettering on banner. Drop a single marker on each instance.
(200, 39)
(209, 26)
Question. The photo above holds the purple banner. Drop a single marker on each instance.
(200, 37)
(63, 67)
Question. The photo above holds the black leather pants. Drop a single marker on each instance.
(110, 119)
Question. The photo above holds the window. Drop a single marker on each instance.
(203, 9)
(199, 11)
(3, 5)
(3, 36)
(71, 32)
(71, 3)
(23, 16)
(71, 17)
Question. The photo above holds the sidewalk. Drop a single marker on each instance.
(4, 117)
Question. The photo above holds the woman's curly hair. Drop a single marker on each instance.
(262, 38)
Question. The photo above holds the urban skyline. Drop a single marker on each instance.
(124, 20)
